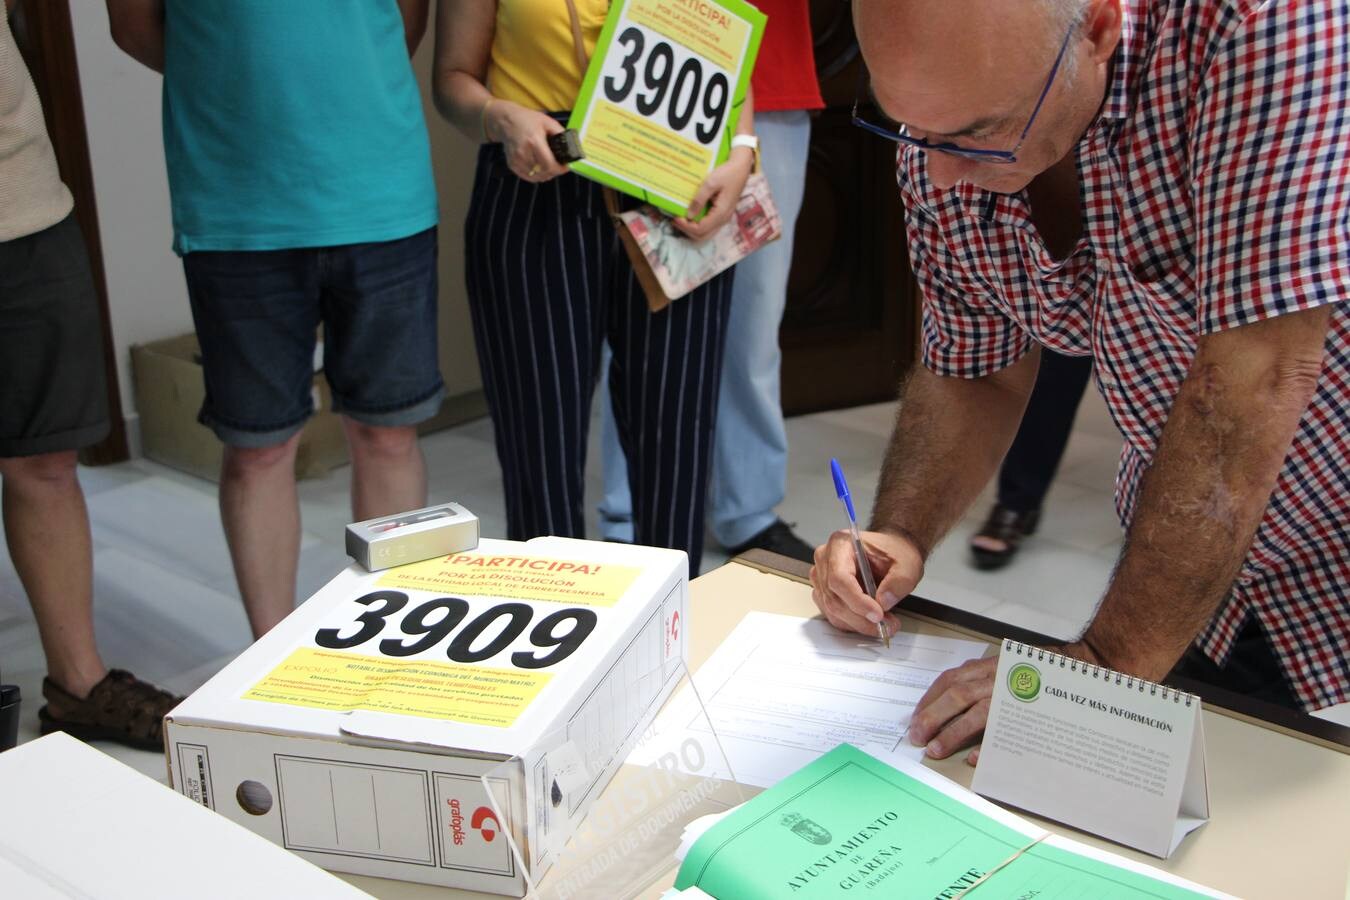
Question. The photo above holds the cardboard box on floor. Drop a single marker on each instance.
(78, 823)
(169, 393)
(355, 732)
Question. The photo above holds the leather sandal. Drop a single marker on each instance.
(1008, 527)
(119, 708)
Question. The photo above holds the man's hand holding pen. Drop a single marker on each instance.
(952, 712)
(896, 564)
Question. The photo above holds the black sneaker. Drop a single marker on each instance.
(778, 538)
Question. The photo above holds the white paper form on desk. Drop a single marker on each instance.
(781, 690)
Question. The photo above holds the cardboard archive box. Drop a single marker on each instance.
(169, 393)
(355, 732)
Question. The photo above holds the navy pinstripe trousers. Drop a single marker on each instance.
(548, 283)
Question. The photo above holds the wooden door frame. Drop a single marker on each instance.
(46, 38)
(855, 299)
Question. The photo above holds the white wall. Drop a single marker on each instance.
(454, 158)
(147, 298)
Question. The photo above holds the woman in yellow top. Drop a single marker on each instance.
(549, 283)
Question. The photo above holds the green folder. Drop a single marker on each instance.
(848, 825)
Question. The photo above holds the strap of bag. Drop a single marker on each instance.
(647, 280)
(578, 45)
(584, 61)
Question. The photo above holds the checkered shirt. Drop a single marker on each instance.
(1216, 191)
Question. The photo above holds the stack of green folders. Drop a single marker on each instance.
(849, 825)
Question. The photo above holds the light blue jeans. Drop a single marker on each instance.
(749, 474)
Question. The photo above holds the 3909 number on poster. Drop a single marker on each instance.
(663, 94)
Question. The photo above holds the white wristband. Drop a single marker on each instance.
(749, 141)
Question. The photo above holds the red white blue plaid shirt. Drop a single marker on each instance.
(1216, 192)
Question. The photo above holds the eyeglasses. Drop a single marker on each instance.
(900, 133)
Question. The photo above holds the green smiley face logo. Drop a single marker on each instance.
(1024, 681)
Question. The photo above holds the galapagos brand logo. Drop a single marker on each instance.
(672, 633)
(483, 821)
(1024, 680)
(486, 822)
(456, 823)
(471, 836)
(806, 829)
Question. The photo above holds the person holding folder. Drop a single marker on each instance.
(1162, 185)
(549, 282)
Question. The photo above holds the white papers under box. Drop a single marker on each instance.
(357, 732)
(77, 823)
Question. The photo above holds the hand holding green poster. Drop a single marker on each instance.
(663, 93)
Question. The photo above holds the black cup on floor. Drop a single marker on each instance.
(9, 716)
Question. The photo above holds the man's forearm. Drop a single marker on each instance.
(950, 435)
(1199, 507)
(138, 29)
(414, 22)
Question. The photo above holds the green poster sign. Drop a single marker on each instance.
(663, 93)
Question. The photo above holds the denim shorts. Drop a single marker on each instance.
(52, 386)
(257, 313)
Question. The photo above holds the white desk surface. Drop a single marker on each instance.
(1279, 805)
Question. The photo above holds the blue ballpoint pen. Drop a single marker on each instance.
(864, 568)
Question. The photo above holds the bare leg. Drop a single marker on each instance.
(260, 510)
(47, 530)
(389, 474)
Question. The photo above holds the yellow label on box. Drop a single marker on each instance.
(328, 679)
(623, 141)
(517, 578)
(705, 28)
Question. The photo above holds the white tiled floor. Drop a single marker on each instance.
(167, 607)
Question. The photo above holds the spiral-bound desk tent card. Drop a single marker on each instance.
(1096, 749)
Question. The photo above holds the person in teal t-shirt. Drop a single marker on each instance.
(302, 193)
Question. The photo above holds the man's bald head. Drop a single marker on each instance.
(984, 42)
(970, 72)
(1063, 15)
